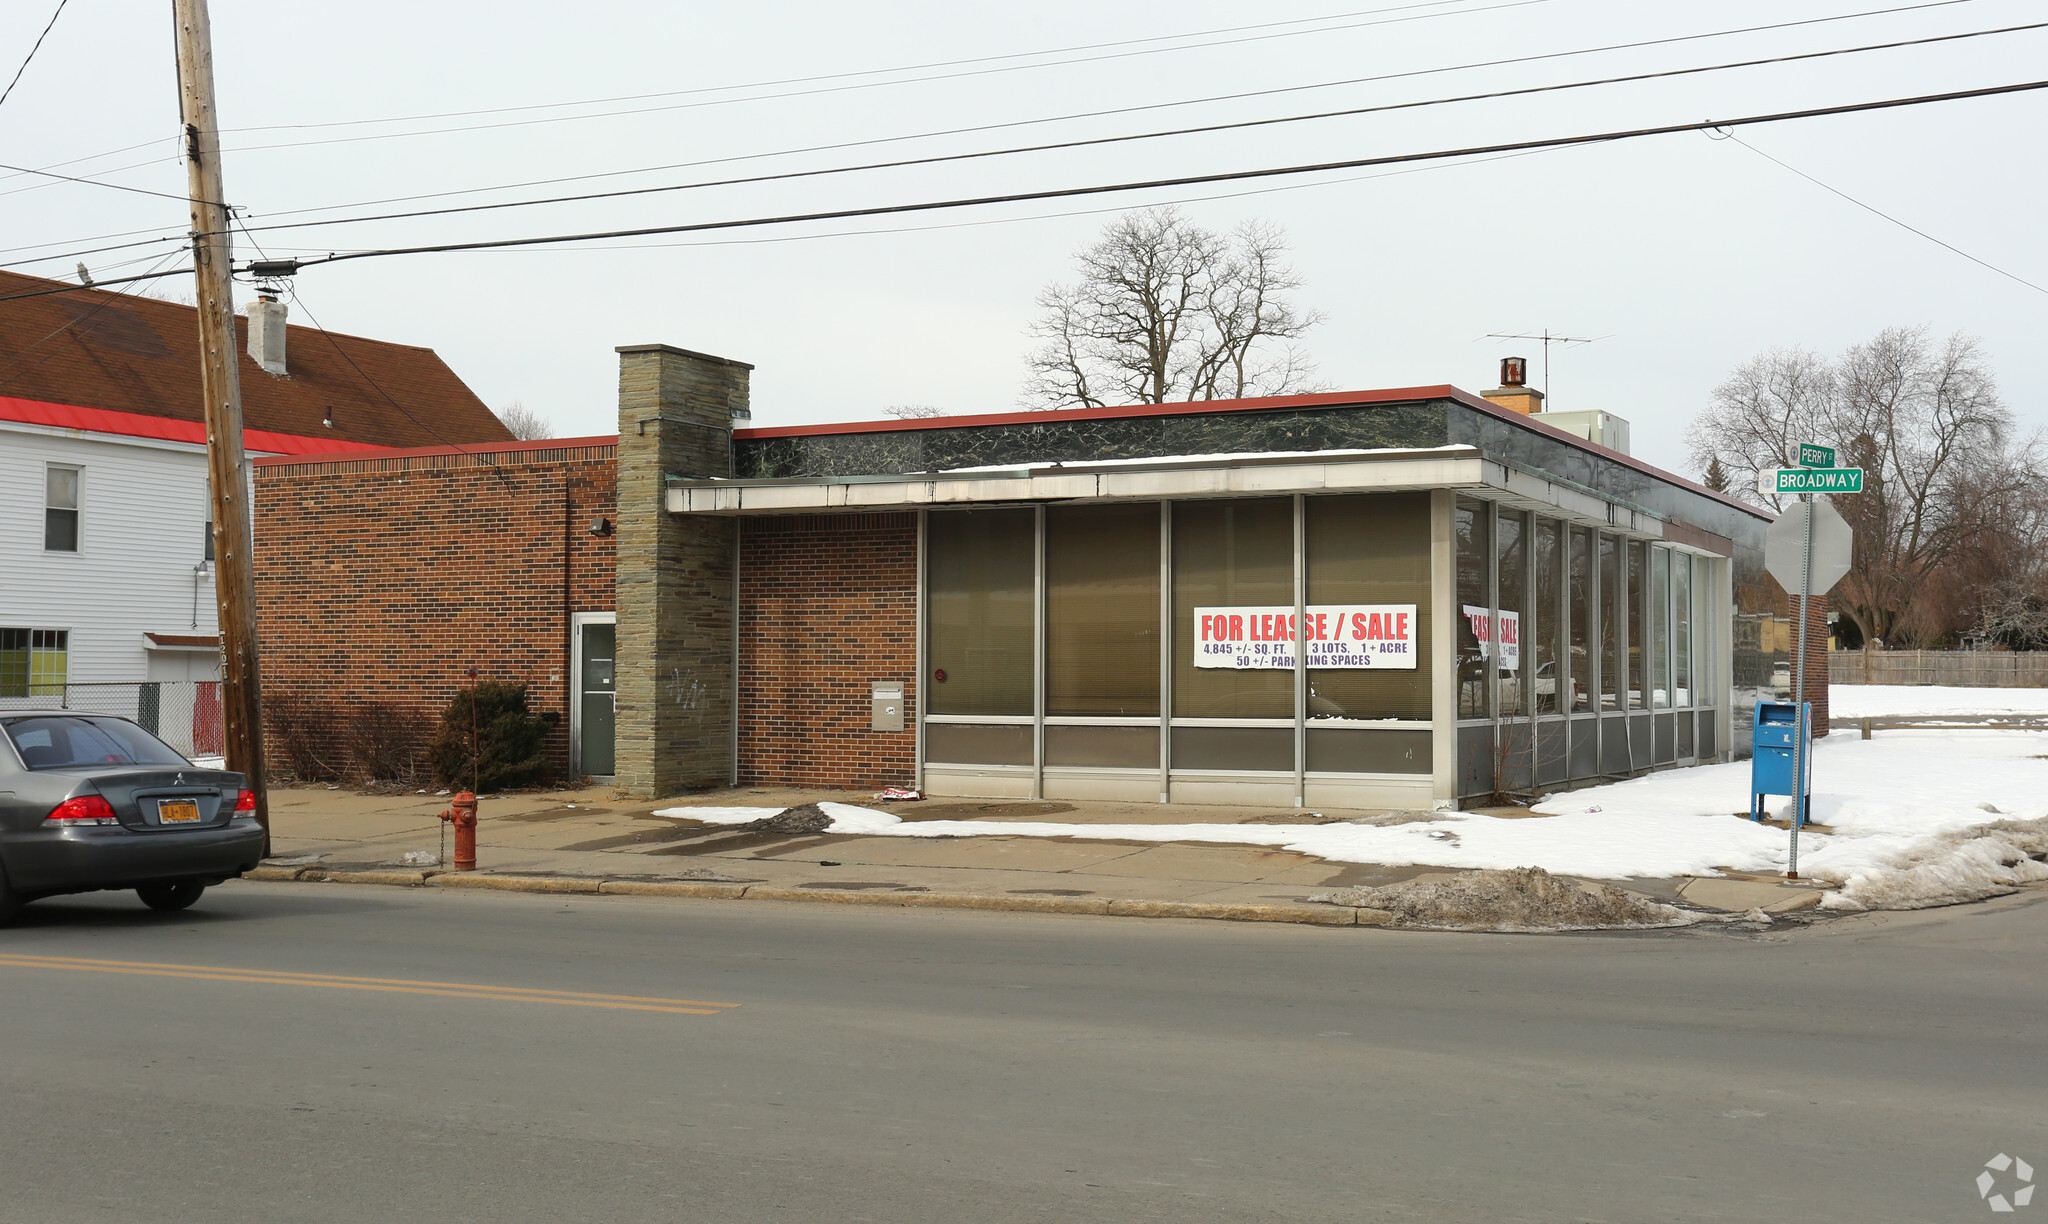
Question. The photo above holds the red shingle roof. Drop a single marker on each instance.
(97, 349)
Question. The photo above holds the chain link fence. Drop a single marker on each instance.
(185, 714)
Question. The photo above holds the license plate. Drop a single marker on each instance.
(177, 811)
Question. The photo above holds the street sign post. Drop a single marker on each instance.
(1808, 550)
(1778, 481)
(1811, 456)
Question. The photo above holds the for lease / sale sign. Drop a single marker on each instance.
(1337, 635)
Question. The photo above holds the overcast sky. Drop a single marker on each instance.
(1686, 255)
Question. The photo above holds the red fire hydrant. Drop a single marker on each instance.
(462, 814)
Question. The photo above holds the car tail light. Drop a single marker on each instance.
(246, 801)
(83, 810)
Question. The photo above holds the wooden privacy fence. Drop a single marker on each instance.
(1968, 668)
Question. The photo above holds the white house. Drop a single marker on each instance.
(106, 576)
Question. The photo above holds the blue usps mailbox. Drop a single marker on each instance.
(1781, 733)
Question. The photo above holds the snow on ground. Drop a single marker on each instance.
(1847, 701)
(1904, 802)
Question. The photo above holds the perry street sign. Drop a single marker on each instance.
(1810, 480)
(1812, 456)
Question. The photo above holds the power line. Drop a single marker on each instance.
(165, 195)
(6, 93)
(72, 161)
(839, 76)
(98, 284)
(1190, 180)
(1123, 139)
(72, 254)
(1872, 209)
(1077, 212)
(948, 76)
(1097, 114)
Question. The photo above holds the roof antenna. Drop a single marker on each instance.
(1547, 340)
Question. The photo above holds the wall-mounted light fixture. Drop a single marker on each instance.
(602, 527)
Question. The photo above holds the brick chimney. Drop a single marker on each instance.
(266, 334)
(1514, 393)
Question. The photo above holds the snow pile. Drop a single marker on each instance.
(804, 818)
(1525, 899)
(1963, 865)
(1850, 701)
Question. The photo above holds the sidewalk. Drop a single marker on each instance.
(592, 840)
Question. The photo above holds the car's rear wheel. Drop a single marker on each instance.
(170, 894)
(10, 901)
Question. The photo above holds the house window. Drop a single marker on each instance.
(60, 509)
(33, 662)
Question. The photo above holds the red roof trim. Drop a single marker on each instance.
(1269, 403)
(358, 451)
(136, 425)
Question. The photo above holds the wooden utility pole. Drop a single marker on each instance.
(227, 466)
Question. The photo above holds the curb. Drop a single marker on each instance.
(1307, 915)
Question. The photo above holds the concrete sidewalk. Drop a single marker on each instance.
(593, 840)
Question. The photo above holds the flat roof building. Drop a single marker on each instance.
(1398, 598)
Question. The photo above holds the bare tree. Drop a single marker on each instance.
(915, 412)
(1769, 403)
(1942, 470)
(526, 424)
(1167, 310)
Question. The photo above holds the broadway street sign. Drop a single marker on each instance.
(1810, 480)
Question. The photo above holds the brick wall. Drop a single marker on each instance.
(383, 580)
(828, 603)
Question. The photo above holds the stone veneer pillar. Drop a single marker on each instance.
(677, 411)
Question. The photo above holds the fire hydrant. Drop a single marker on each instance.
(462, 814)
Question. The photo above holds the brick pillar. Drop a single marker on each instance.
(1816, 659)
(677, 411)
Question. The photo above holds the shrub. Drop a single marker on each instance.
(302, 734)
(385, 741)
(506, 748)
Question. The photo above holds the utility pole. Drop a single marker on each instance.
(226, 461)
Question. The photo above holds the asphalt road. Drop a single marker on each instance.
(827, 1063)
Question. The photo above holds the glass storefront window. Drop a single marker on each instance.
(1548, 632)
(1230, 554)
(1370, 549)
(1475, 553)
(1632, 598)
(1580, 619)
(980, 568)
(1660, 627)
(1681, 630)
(1102, 610)
(1513, 577)
(1611, 660)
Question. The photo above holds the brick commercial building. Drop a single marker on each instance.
(383, 577)
(1089, 603)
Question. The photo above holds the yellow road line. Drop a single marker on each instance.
(455, 990)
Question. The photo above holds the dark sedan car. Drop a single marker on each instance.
(90, 801)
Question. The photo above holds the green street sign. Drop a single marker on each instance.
(1811, 480)
(1811, 456)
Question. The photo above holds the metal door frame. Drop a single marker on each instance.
(576, 623)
